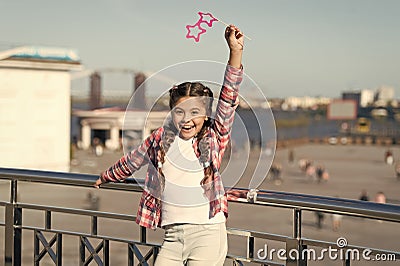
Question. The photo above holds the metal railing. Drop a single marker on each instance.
(100, 252)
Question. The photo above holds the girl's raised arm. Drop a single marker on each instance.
(229, 95)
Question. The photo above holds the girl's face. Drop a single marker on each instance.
(188, 115)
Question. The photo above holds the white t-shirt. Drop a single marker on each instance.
(183, 198)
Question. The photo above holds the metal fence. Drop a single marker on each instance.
(94, 248)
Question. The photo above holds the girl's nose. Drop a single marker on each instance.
(186, 118)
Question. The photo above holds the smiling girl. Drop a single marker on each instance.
(183, 192)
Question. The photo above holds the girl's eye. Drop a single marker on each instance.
(178, 112)
(195, 112)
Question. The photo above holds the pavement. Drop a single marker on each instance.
(351, 168)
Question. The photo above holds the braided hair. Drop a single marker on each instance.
(191, 89)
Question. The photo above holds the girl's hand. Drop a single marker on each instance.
(98, 183)
(234, 37)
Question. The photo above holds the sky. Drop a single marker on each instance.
(298, 48)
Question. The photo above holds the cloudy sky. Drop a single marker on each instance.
(314, 47)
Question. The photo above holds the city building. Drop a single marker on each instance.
(35, 107)
(384, 96)
(354, 96)
(112, 123)
(306, 102)
(366, 98)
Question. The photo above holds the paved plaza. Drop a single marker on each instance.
(351, 168)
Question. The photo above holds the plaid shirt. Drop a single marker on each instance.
(149, 212)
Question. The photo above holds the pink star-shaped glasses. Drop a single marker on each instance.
(190, 28)
(210, 17)
(206, 18)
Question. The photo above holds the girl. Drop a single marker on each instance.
(183, 190)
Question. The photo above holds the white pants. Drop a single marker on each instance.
(193, 245)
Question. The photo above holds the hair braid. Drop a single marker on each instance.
(168, 138)
(204, 150)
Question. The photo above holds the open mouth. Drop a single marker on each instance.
(187, 128)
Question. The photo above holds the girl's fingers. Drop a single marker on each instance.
(97, 184)
(238, 34)
(235, 30)
(227, 32)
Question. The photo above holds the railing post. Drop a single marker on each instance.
(17, 235)
(59, 249)
(295, 259)
(48, 220)
(297, 224)
(9, 235)
(12, 245)
(143, 234)
(94, 225)
(13, 191)
(106, 252)
(250, 247)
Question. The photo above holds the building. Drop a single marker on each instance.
(384, 96)
(114, 123)
(366, 98)
(35, 107)
(305, 102)
(354, 96)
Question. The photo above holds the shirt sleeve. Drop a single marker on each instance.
(129, 163)
(227, 104)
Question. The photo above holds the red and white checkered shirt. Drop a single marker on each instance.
(149, 212)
